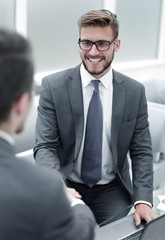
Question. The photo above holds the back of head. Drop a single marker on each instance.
(16, 69)
(101, 18)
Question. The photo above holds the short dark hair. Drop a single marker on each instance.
(16, 69)
(100, 18)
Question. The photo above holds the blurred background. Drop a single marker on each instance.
(51, 26)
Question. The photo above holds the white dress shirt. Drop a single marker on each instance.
(106, 91)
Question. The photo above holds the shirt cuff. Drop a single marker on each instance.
(145, 202)
(77, 201)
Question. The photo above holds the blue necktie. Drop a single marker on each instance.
(92, 154)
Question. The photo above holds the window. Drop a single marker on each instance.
(139, 29)
(7, 14)
(53, 31)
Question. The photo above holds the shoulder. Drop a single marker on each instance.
(34, 177)
(57, 83)
(128, 81)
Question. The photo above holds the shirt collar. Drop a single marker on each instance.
(86, 78)
(7, 137)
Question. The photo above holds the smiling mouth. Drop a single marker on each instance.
(94, 60)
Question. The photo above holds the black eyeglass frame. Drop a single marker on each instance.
(96, 44)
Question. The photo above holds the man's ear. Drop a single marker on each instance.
(20, 104)
(117, 45)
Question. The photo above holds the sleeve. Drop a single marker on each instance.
(141, 155)
(47, 137)
(62, 221)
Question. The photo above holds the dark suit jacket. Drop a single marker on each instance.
(33, 204)
(60, 123)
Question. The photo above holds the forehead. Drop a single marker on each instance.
(95, 33)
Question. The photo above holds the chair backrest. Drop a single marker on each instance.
(155, 90)
(156, 117)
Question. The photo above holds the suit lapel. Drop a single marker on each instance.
(76, 100)
(118, 106)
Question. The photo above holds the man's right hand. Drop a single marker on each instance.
(72, 192)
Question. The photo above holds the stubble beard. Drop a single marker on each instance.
(96, 73)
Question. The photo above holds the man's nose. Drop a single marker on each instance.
(94, 50)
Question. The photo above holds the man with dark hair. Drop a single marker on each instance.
(33, 202)
(89, 118)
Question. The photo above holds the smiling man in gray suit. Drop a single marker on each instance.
(68, 132)
(33, 203)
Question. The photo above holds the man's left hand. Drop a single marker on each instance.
(143, 212)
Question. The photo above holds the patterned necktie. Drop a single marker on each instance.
(92, 155)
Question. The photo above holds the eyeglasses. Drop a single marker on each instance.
(101, 45)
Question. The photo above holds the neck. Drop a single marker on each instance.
(5, 127)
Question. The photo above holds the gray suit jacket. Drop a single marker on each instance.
(60, 121)
(33, 204)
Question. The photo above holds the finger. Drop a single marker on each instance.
(77, 195)
(150, 217)
(137, 219)
(74, 193)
